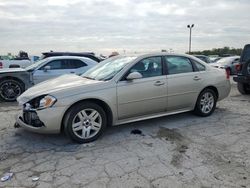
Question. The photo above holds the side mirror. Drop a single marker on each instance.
(134, 75)
(46, 68)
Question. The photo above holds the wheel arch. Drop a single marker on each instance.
(13, 78)
(101, 103)
(212, 88)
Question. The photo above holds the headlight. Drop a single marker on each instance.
(47, 101)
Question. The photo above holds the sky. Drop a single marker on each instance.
(126, 26)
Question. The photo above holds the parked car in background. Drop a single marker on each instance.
(90, 55)
(243, 76)
(204, 58)
(120, 90)
(15, 63)
(15, 81)
(228, 63)
(214, 60)
(10, 61)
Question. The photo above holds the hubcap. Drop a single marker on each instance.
(10, 90)
(87, 123)
(207, 102)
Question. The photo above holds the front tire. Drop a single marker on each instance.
(85, 122)
(10, 89)
(206, 103)
(243, 88)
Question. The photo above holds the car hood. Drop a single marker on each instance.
(56, 86)
(8, 70)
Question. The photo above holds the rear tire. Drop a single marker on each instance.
(243, 88)
(206, 103)
(85, 122)
(10, 89)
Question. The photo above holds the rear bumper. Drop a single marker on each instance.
(224, 90)
(242, 79)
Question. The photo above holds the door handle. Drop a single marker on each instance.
(196, 78)
(159, 83)
(72, 72)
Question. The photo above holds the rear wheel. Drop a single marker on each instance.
(243, 88)
(10, 89)
(206, 103)
(85, 122)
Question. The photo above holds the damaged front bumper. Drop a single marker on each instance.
(46, 121)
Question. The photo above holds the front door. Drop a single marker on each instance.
(146, 95)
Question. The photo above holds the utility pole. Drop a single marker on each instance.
(190, 36)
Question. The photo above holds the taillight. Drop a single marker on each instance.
(1, 65)
(238, 67)
(227, 74)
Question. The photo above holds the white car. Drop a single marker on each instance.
(14, 63)
(227, 63)
(14, 81)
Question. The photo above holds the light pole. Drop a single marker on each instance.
(190, 34)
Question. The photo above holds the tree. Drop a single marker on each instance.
(219, 51)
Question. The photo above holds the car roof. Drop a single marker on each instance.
(68, 57)
(90, 55)
(144, 55)
(200, 55)
(68, 53)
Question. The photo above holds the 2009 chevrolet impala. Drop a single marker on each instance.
(120, 90)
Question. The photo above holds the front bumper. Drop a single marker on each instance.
(48, 120)
(242, 79)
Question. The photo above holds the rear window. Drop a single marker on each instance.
(245, 56)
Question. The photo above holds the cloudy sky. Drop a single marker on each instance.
(104, 26)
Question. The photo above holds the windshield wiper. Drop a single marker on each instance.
(88, 78)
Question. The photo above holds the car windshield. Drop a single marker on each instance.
(35, 65)
(107, 69)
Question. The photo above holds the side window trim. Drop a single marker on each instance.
(123, 78)
(195, 66)
(71, 61)
(191, 62)
(42, 67)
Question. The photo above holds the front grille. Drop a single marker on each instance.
(31, 118)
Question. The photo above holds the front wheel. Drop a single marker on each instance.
(10, 89)
(206, 103)
(85, 122)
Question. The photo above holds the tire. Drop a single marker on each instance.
(89, 121)
(206, 103)
(10, 89)
(243, 88)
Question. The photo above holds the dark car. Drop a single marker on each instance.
(90, 55)
(243, 76)
(204, 58)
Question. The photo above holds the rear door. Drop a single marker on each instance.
(184, 83)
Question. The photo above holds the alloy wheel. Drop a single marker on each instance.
(10, 90)
(207, 102)
(87, 123)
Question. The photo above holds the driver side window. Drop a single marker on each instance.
(148, 67)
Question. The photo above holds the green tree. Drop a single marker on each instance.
(219, 51)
